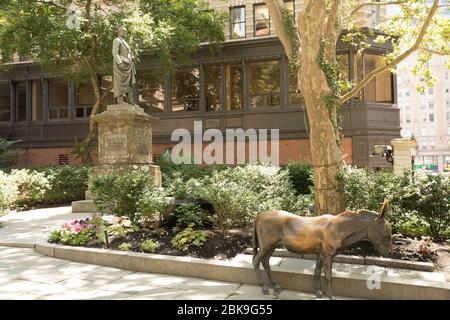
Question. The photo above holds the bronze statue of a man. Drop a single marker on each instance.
(124, 69)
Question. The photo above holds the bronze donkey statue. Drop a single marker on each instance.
(324, 235)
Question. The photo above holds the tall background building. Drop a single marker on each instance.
(426, 115)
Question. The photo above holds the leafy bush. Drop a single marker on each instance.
(74, 233)
(7, 155)
(119, 194)
(302, 177)
(184, 172)
(365, 189)
(429, 198)
(121, 227)
(238, 194)
(8, 192)
(153, 204)
(26, 188)
(190, 214)
(190, 189)
(189, 237)
(417, 208)
(126, 246)
(67, 183)
(31, 187)
(149, 246)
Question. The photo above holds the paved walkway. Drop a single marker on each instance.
(28, 227)
(25, 274)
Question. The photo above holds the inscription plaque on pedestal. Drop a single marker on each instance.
(116, 144)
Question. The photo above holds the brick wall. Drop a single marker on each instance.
(290, 150)
(47, 156)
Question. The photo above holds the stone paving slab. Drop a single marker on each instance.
(57, 279)
(29, 227)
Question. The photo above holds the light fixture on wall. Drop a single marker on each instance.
(384, 151)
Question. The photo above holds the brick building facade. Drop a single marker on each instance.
(246, 85)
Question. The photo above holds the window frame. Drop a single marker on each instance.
(261, 4)
(232, 24)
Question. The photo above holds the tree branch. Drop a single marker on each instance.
(51, 3)
(364, 4)
(332, 16)
(393, 63)
(438, 52)
(275, 7)
(332, 31)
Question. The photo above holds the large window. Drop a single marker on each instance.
(378, 89)
(37, 105)
(5, 101)
(237, 22)
(234, 86)
(186, 90)
(261, 20)
(84, 100)
(21, 101)
(264, 84)
(151, 93)
(58, 99)
(213, 80)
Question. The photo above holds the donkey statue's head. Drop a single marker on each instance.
(379, 231)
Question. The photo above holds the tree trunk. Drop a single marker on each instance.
(325, 151)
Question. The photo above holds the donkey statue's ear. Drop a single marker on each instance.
(384, 209)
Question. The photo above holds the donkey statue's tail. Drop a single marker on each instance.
(384, 208)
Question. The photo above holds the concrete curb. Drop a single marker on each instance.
(377, 261)
(27, 245)
(343, 285)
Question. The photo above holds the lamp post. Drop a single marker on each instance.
(413, 150)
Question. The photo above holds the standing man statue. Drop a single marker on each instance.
(124, 69)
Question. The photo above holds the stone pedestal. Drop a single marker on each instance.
(402, 154)
(124, 144)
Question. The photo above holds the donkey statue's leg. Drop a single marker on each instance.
(317, 274)
(256, 261)
(266, 265)
(327, 268)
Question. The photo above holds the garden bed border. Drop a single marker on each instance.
(343, 285)
(352, 259)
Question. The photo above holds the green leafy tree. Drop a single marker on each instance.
(7, 154)
(74, 38)
(310, 42)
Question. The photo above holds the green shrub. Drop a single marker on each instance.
(190, 214)
(366, 189)
(27, 188)
(149, 246)
(238, 194)
(417, 208)
(171, 171)
(179, 188)
(189, 237)
(126, 246)
(7, 155)
(31, 186)
(153, 204)
(302, 177)
(67, 183)
(429, 198)
(119, 194)
(121, 227)
(9, 192)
